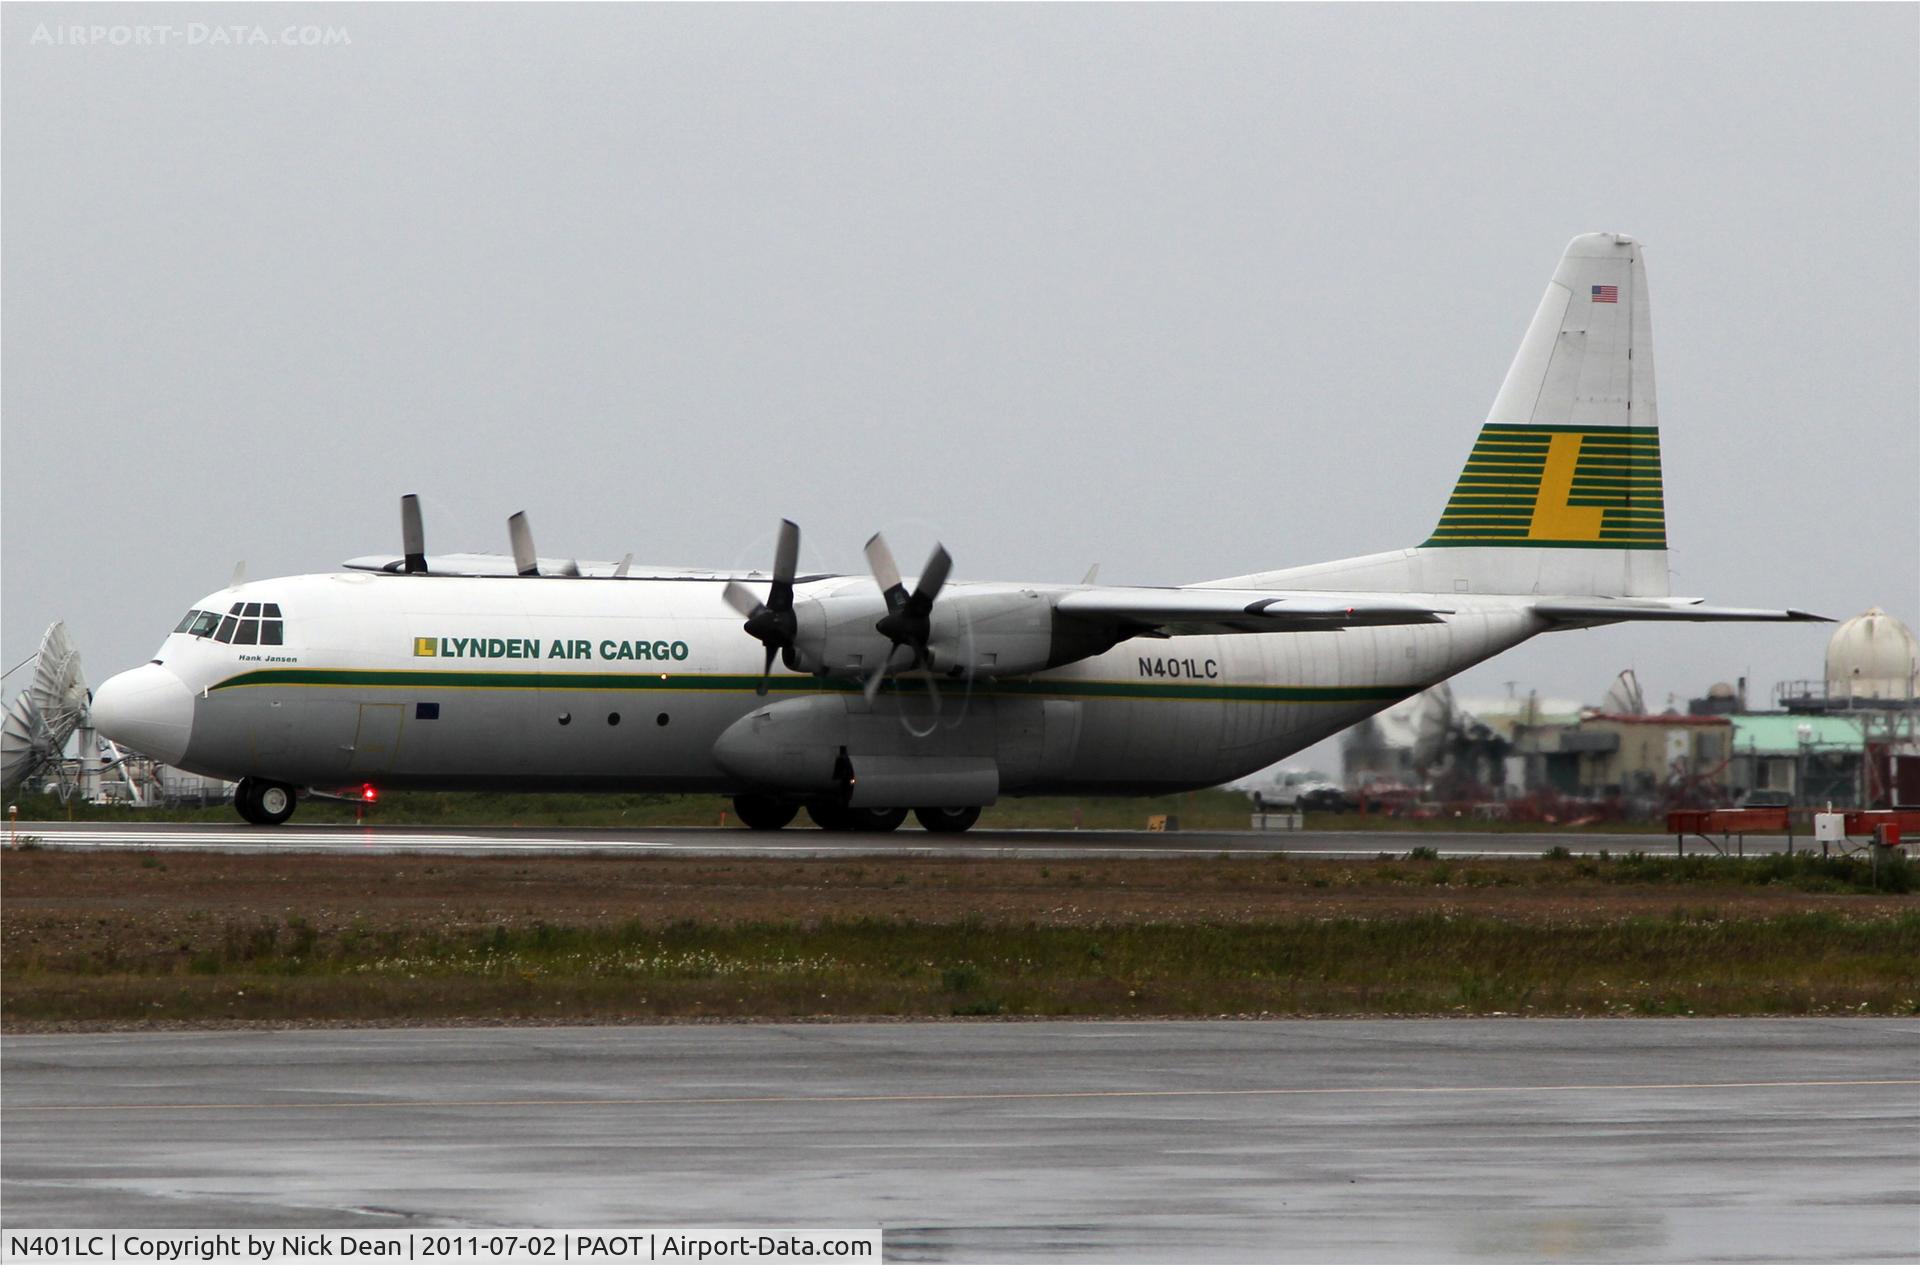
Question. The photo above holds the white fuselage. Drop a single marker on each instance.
(508, 683)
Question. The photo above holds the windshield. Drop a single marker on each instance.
(244, 624)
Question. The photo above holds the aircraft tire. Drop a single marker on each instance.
(946, 821)
(838, 817)
(763, 812)
(243, 801)
(830, 816)
(264, 803)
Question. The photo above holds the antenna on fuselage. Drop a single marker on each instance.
(413, 536)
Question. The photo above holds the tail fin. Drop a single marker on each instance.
(1561, 493)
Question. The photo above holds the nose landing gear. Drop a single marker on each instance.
(264, 803)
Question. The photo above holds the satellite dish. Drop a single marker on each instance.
(1623, 697)
(43, 716)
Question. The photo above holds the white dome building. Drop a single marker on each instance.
(1873, 656)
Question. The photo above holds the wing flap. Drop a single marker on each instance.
(1188, 612)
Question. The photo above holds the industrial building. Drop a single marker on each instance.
(1849, 738)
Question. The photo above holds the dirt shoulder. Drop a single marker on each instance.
(54, 898)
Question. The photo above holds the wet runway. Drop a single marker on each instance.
(806, 842)
(1417, 1140)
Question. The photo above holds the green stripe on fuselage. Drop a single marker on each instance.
(1204, 691)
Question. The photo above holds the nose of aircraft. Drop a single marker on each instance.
(149, 709)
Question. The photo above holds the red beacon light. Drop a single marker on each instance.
(369, 794)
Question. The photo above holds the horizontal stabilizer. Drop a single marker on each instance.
(1598, 611)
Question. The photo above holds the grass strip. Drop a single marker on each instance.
(1687, 963)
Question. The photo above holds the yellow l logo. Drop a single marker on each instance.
(1553, 518)
(423, 646)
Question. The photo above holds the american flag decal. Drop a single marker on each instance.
(1606, 294)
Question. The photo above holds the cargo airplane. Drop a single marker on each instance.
(863, 698)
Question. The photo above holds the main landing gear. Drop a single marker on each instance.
(763, 812)
(865, 820)
(264, 803)
(947, 821)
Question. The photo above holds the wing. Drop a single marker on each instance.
(499, 564)
(1144, 612)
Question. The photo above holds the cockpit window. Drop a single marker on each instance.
(244, 624)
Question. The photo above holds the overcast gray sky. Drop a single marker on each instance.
(1188, 291)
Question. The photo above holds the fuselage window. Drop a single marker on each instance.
(248, 633)
(204, 622)
(226, 629)
(252, 610)
(269, 632)
(187, 621)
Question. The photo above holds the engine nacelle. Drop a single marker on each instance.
(984, 630)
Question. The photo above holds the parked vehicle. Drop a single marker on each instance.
(1284, 788)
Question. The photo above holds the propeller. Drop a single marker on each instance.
(413, 536)
(524, 560)
(909, 618)
(771, 622)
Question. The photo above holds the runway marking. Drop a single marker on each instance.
(335, 843)
(371, 841)
(1005, 1096)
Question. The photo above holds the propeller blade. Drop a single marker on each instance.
(524, 560)
(885, 573)
(772, 621)
(933, 579)
(413, 536)
(879, 674)
(741, 598)
(787, 555)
